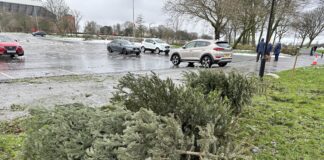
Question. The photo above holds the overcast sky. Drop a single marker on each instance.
(109, 12)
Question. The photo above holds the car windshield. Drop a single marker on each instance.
(223, 44)
(5, 39)
(159, 41)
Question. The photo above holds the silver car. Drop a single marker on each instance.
(206, 52)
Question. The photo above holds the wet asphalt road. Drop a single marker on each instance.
(52, 57)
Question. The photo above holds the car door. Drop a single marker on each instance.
(118, 45)
(199, 49)
(186, 51)
(151, 44)
(148, 44)
(112, 45)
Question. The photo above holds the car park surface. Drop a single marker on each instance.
(50, 56)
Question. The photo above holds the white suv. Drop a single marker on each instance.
(206, 52)
(155, 46)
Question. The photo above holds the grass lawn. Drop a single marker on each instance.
(288, 123)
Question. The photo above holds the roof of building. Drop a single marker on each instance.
(25, 2)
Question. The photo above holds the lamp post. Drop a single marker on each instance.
(263, 61)
(134, 19)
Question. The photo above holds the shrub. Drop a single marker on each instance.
(289, 50)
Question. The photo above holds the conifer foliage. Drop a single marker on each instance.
(149, 118)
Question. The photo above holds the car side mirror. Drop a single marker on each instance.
(16, 40)
(184, 47)
(154, 43)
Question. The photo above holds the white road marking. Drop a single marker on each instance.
(6, 75)
(68, 71)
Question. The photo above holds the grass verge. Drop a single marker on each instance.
(288, 123)
(11, 139)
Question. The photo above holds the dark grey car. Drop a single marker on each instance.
(123, 47)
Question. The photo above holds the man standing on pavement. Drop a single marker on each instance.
(277, 51)
(260, 49)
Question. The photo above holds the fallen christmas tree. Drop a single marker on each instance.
(149, 118)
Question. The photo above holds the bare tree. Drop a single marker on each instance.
(212, 11)
(282, 29)
(301, 27)
(175, 22)
(78, 17)
(60, 9)
(140, 26)
(91, 27)
(247, 14)
(315, 23)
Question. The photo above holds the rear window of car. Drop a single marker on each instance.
(202, 44)
(223, 44)
(148, 41)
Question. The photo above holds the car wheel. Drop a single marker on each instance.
(175, 60)
(157, 51)
(124, 51)
(222, 64)
(206, 61)
(110, 50)
(143, 49)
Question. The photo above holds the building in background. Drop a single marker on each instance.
(24, 7)
(25, 16)
(69, 24)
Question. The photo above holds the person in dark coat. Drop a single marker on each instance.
(277, 51)
(313, 50)
(268, 52)
(260, 49)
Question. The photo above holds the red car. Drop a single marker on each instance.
(10, 47)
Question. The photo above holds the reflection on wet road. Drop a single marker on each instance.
(47, 57)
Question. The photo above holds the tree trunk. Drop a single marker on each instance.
(253, 36)
(310, 42)
(302, 43)
(274, 38)
(262, 28)
(217, 33)
(239, 39)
